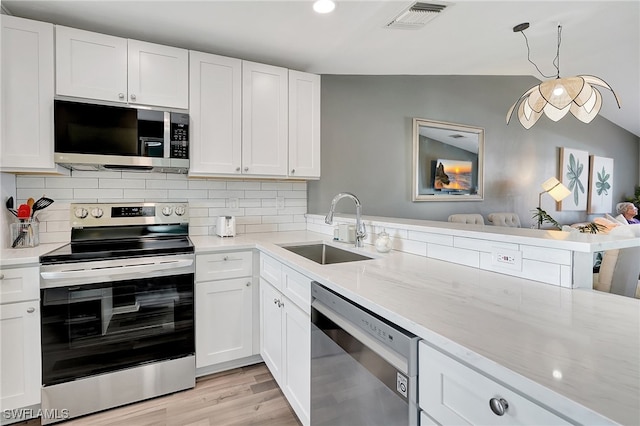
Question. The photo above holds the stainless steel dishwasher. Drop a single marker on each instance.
(363, 368)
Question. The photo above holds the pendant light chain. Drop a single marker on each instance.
(556, 60)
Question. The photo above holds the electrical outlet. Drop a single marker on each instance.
(507, 259)
(280, 203)
(233, 203)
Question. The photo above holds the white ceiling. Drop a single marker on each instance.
(470, 37)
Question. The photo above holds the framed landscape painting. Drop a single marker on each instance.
(574, 175)
(600, 185)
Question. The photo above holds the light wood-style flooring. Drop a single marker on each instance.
(242, 396)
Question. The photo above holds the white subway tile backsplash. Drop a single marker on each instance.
(278, 186)
(541, 271)
(29, 182)
(140, 175)
(260, 211)
(56, 194)
(428, 237)
(454, 255)
(260, 228)
(252, 202)
(98, 194)
(187, 194)
(546, 254)
(261, 194)
(277, 219)
(481, 245)
(121, 183)
(292, 194)
(243, 185)
(69, 182)
(146, 194)
(292, 227)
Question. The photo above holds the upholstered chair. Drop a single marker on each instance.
(474, 219)
(620, 269)
(511, 220)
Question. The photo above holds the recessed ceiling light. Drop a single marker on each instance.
(324, 6)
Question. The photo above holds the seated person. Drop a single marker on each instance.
(628, 210)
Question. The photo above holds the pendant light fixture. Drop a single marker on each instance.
(555, 98)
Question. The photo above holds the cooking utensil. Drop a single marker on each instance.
(24, 211)
(30, 202)
(41, 203)
(9, 205)
(19, 238)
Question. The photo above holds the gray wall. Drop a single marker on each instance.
(367, 145)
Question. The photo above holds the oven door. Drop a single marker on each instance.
(113, 315)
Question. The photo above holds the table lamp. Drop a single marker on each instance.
(556, 189)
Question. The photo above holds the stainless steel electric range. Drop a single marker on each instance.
(117, 308)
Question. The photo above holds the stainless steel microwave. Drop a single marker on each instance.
(100, 137)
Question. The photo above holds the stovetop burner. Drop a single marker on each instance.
(112, 231)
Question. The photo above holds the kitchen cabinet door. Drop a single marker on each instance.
(215, 109)
(158, 75)
(296, 378)
(271, 329)
(27, 96)
(91, 65)
(264, 119)
(224, 320)
(20, 365)
(103, 67)
(304, 125)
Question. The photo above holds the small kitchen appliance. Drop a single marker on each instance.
(226, 226)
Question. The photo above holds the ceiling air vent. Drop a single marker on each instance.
(416, 16)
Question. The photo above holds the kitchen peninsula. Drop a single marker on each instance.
(573, 352)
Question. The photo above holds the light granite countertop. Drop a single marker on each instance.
(573, 351)
(576, 352)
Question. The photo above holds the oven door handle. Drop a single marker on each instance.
(117, 270)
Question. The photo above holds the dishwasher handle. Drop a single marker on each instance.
(398, 361)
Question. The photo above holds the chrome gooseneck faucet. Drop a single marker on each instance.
(361, 233)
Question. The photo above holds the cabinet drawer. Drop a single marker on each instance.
(297, 287)
(223, 265)
(19, 284)
(271, 270)
(452, 393)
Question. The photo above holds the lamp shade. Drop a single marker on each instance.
(555, 189)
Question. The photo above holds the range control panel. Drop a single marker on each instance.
(108, 214)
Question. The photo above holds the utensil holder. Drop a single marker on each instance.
(25, 234)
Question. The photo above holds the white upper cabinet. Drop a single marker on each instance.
(158, 75)
(91, 65)
(27, 96)
(264, 119)
(104, 67)
(215, 110)
(304, 125)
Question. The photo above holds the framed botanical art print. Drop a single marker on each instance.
(600, 185)
(574, 175)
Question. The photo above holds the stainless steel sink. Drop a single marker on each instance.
(325, 254)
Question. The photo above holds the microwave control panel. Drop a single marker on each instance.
(179, 135)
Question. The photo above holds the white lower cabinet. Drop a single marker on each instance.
(20, 366)
(452, 393)
(285, 338)
(224, 307)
